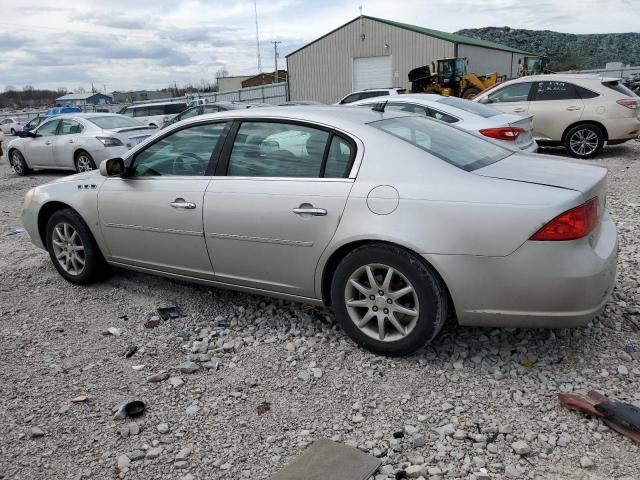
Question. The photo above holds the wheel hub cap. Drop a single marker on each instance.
(381, 302)
(68, 248)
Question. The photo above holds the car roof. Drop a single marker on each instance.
(563, 76)
(153, 104)
(333, 116)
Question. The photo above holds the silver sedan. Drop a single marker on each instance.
(75, 142)
(393, 220)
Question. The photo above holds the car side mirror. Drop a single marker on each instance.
(27, 134)
(112, 167)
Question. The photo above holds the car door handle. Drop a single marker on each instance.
(71, 140)
(573, 108)
(310, 210)
(180, 203)
(47, 143)
(519, 110)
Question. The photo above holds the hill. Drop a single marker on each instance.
(566, 51)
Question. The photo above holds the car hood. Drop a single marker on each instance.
(546, 170)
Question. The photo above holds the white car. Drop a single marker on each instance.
(11, 125)
(76, 142)
(581, 112)
(510, 130)
(369, 93)
(154, 114)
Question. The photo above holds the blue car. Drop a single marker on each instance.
(52, 112)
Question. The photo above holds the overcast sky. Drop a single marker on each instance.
(152, 43)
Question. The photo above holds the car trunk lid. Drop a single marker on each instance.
(590, 180)
(132, 136)
(523, 140)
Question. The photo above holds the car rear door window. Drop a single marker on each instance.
(406, 107)
(379, 93)
(442, 116)
(70, 127)
(516, 92)
(185, 152)
(555, 90)
(339, 159)
(277, 149)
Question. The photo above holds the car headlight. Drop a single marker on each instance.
(29, 197)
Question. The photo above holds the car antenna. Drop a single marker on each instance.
(379, 107)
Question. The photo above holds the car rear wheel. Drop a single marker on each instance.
(584, 141)
(13, 132)
(72, 248)
(84, 162)
(388, 300)
(19, 163)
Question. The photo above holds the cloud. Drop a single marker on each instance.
(150, 43)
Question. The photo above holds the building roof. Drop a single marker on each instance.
(449, 37)
(79, 96)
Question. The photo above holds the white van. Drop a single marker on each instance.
(154, 114)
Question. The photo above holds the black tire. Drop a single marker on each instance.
(428, 289)
(469, 93)
(19, 164)
(584, 140)
(13, 132)
(81, 160)
(94, 265)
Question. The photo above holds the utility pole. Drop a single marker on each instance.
(276, 76)
(255, 11)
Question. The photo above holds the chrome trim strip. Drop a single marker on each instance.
(246, 238)
(153, 229)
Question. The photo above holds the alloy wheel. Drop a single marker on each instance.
(18, 164)
(382, 302)
(84, 163)
(584, 142)
(68, 248)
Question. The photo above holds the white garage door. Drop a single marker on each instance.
(372, 72)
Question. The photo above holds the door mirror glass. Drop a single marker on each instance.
(112, 167)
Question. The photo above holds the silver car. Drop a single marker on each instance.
(393, 220)
(76, 142)
(509, 129)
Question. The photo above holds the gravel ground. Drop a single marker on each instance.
(477, 403)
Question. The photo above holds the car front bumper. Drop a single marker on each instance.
(540, 285)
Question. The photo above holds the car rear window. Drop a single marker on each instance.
(619, 87)
(471, 107)
(454, 146)
(109, 122)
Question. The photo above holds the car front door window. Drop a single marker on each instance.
(516, 92)
(272, 149)
(185, 152)
(70, 127)
(48, 129)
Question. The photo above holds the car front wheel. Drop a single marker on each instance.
(19, 163)
(388, 300)
(72, 248)
(584, 141)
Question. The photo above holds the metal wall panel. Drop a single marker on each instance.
(323, 70)
(486, 60)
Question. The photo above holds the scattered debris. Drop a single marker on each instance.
(622, 417)
(328, 460)
(15, 231)
(81, 398)
(163, 428)
(158, 377)
(527, 362)
(188, 367)
(36, 432)
(263, 408)
(129, 409)
(130, 351)
(170, 313)
(153, 322)
(116, 332)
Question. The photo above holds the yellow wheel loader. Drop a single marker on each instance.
(450, 79)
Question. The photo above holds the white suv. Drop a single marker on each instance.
(581, 112)
(369, 93)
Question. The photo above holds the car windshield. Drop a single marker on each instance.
(471, 107)
(454, 146)
(109, 122)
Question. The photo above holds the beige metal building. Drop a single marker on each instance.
(370, 52)
(231, 83)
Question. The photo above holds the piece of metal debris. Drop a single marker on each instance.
(15, 231)
(130, 351)
(327, 460)
(170, 313)
(263, 408)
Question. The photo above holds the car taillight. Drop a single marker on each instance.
(572, 224)
(629, 103)
(110, 141)
(505, 133)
